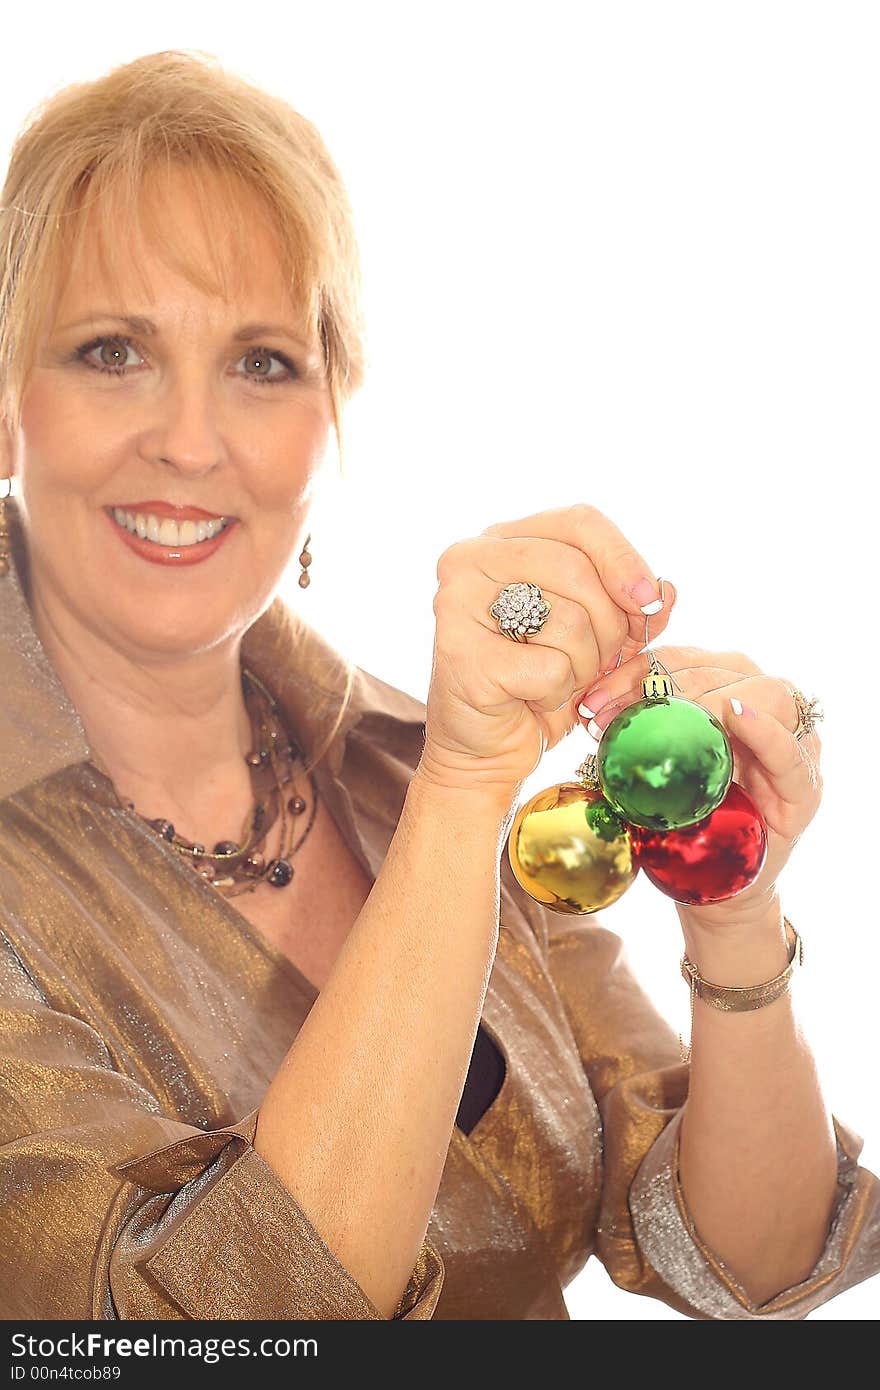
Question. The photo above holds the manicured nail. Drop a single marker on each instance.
(593, 730)
(598, 698)
(645, 594)
(739, 708)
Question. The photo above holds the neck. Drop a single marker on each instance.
(171, 731)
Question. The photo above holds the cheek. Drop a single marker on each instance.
(286, 466)
(62, 445)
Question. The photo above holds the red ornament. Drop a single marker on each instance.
(710, 861)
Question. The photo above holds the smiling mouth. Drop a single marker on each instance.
(164, 531)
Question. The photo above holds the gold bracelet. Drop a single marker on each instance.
(736, 998)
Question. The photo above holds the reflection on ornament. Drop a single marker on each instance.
(710, 861)
(664, 762)
(570, 851)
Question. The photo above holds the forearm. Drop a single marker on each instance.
(358, 1118)
(758, 1161)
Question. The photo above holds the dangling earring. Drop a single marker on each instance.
(305, 560)
(4, 529)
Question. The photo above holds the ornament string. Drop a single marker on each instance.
(654, 661)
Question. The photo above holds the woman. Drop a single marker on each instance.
(281, 1034)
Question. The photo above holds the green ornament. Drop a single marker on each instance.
(664, 762)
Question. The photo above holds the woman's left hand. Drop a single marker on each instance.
(779, 772)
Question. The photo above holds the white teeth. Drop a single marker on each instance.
(164, 531)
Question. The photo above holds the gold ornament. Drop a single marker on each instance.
(569, 850)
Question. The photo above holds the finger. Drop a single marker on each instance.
(627, 577)
(537, 675)
(583, 620)
(761, 712)
(694, 669)
(789, 762)
(574, 632)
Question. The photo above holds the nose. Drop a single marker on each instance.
(187, 431)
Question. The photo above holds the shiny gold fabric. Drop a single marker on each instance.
(142, 1018)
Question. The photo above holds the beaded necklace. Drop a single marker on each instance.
(239, 867)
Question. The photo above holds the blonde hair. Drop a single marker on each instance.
(177, 107)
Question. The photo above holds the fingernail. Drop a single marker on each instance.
(645, 594)
(598, 698)
(593, 730)
(739, 708)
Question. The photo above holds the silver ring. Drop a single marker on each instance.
(520, 611)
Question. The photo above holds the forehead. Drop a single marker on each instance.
(182, 234)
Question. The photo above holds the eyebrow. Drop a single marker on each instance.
(146, 328)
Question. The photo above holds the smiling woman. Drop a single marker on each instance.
(281, 1035)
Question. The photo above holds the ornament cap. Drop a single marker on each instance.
(656, 686)
(588, 775)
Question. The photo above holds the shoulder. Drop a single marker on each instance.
(387, 720)
(378, 699)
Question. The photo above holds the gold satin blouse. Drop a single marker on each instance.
(142, 1018)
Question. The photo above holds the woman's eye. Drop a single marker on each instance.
(261, 357)
(113, 352)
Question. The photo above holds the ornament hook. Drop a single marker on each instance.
(654, 662)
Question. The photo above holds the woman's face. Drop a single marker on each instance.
(199, 417)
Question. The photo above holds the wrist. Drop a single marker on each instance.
(479, 787)
(744, 952)
(489, 800)
(731, 921)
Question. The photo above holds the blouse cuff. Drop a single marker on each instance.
(668, 1238)
(245, 1248)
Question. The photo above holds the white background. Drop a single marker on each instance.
(623, 254)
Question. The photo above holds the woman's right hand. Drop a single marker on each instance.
(495, 706)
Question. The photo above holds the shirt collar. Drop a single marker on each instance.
(320, 693)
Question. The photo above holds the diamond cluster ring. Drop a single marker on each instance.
(520, 611)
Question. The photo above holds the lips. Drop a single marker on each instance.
(175, 557)
(170, 510)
